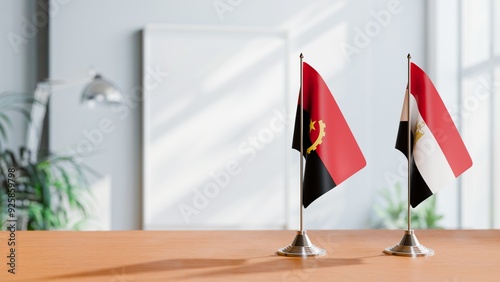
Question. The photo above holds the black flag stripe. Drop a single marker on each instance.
(419, 190)
(317, 179)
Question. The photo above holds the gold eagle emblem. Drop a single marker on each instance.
(419, 132)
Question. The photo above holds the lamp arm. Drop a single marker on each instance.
(58, 83)
(42, 94)
(38, 110)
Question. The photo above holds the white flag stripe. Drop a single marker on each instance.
(429, 158)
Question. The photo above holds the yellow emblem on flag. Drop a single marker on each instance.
(419, 132)
(321, 134)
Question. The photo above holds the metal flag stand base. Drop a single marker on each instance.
(301, 247)
(409, 247)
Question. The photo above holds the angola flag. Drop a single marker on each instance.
(332, 154)
(438, 152)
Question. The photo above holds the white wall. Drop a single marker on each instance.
(17, 57)
(369, 86)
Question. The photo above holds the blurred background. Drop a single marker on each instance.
(201, 136)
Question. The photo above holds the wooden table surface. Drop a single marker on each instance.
(354, 255)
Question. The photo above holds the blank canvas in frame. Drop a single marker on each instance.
(215, 128)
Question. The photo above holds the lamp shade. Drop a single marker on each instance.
(102, 91)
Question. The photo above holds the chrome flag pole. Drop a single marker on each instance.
(301, 245)
(409, 245)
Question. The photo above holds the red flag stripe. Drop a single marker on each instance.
(438, 120)
(339, 151)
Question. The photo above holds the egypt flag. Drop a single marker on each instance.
(438, 153)
(330, 150)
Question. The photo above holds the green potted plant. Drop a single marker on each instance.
(52, 192)
(393, 212)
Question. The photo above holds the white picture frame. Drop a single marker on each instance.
(217, 119)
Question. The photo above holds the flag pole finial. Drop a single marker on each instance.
(409, 56)
(301, 56)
